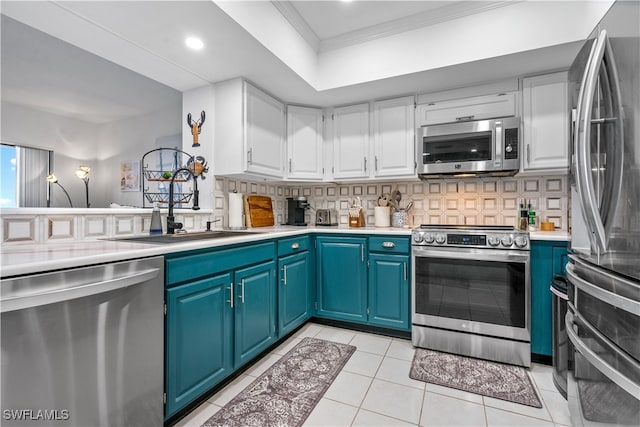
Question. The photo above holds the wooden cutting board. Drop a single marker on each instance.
(258, 211)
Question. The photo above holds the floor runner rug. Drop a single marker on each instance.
(286, 393)
(492, 379)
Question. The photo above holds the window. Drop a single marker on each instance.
(23, 172)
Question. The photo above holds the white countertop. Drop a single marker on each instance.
(557, 236)
(29, 258)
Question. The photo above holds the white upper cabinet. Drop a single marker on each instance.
(264, 132)
(351, 142)
(394, 130)
(545, 123)
(304, 143)
(476, 108)
(249, 133)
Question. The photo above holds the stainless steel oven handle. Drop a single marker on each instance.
(610, 372)
(619, 301)
(480, 255)
(58, 295)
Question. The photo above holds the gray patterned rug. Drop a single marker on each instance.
(286, 393)
(506, 382)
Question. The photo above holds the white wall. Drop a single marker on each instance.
(100, 146)
(195, 101)
(72, 142)
(127, 141)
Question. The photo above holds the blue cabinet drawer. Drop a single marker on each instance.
(189, 267)
(394, 245)
(293, 245)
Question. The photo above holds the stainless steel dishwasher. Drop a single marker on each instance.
(85, 346)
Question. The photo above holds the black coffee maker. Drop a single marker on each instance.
(295, 210)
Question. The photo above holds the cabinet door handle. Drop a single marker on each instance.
(230, 301)
(388, 245)
(405, 270)
(464, 118)
(284, 275)
(362, 253)
(376, 162)
(365, 164)
(289, 165)
(242, 290)
(295, 246)
(528, 155)
(250, 156)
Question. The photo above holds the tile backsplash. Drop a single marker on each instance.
(488, 201)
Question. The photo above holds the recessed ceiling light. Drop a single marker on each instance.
(194, 43)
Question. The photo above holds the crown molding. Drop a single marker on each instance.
(456, 10)
(291, 14)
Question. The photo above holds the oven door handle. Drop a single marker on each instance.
(479, 255)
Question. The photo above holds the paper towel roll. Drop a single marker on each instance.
(382, 216)
(236, 210)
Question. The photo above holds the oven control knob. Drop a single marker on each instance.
(417, 237)
(521, 241)
(507, 241)
(428, 238)
(440, 238)
(494, 240)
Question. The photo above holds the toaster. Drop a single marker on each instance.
(326, 217)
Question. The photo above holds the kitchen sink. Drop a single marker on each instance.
(185, 237)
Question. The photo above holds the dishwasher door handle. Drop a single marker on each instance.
(58, 295)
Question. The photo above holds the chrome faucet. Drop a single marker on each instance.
(172, 225)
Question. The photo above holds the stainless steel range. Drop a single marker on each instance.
(471, 291)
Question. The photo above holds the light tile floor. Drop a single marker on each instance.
(374, 389)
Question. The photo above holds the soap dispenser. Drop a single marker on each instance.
(156, 221)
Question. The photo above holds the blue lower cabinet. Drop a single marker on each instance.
(548, 258)
(255, 314)
(342, 278)
(389, 290)
(199, 339)
(293, 291)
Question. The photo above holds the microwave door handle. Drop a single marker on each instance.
(615, 149)
(586, 189)
(498, 145)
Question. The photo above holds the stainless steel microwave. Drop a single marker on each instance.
(479, 147)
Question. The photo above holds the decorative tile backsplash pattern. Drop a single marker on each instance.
(489, 201)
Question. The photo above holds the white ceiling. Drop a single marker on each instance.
(330, 19)
(147, 37)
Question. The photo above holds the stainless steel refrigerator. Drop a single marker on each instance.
(603, 319)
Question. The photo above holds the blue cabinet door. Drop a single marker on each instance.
(255, 327)
(342, 278)
(389, 290)
(547, 259)
(293, 292)
(199, 344)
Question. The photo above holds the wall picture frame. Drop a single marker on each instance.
(130, 176)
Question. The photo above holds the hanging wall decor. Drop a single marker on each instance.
(196, 127)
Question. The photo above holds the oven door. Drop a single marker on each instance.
(480, 291)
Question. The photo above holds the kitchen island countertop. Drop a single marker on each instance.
(29, 258)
